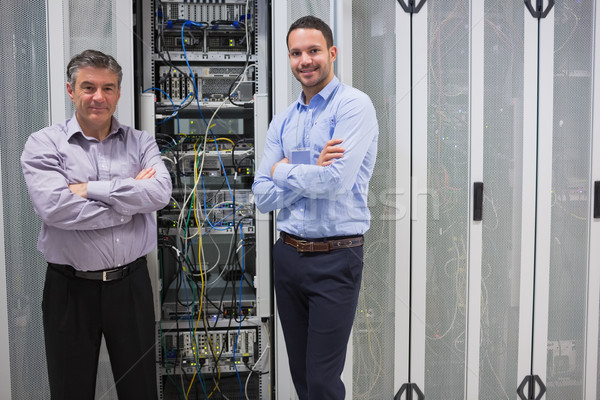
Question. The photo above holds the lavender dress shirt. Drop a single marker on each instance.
(114, 225)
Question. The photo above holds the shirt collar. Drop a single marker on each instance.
(73, 127)
(324, 93)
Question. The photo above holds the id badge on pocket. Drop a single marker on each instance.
(300, 156)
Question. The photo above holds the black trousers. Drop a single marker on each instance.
(77, 312)
(317, 294)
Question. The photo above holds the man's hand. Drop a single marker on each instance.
(284, 160)
(146, 173)
(80, 189)
(330, 152)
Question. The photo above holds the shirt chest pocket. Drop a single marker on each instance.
(122, 169)
(78, 166)
(320, 133)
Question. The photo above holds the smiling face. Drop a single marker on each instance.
(310, 60)
(95, 96)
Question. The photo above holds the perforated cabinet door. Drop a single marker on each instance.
(381, 313)
(25, 109)
(574, 24)
(502, 206)
(447, 232)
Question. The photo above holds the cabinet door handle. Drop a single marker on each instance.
(477, 201)
(597, 199)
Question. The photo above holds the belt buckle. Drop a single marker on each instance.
(105, 275)
(304, 247)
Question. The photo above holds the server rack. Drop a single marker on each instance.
(202, 64)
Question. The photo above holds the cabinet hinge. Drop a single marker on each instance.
(411, 8)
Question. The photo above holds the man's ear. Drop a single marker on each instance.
(333, 53)
(70, 90)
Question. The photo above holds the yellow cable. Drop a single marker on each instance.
(216, 359)
(225, 139)
(193, 205)
(194, 348)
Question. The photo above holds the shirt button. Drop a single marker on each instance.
(122, 219)
(118, 265)
(117, 240)
(302, 209)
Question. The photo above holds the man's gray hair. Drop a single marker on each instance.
(95, 59)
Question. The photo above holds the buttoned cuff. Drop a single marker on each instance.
(281, 173)
(98, 190)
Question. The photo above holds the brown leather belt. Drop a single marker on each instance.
(322, 246)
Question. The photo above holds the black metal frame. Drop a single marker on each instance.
(538, 11)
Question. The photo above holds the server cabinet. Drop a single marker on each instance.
(487, 292)
(381, 68)
(522, 287)
(466, 92)
(562, 285)
(441, 236)
(521, 281)
(505, 204)
(204, 63)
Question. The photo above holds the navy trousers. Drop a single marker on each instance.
(77, 312)
(316, 296)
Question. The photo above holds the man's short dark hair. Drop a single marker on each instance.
(311, 22)
(95, 59)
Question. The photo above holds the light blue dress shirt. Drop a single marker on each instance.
(315, 201)
(114, 225)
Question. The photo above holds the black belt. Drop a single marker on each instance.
(104, 275)
(321, 246)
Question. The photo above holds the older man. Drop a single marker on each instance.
(95, 183)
